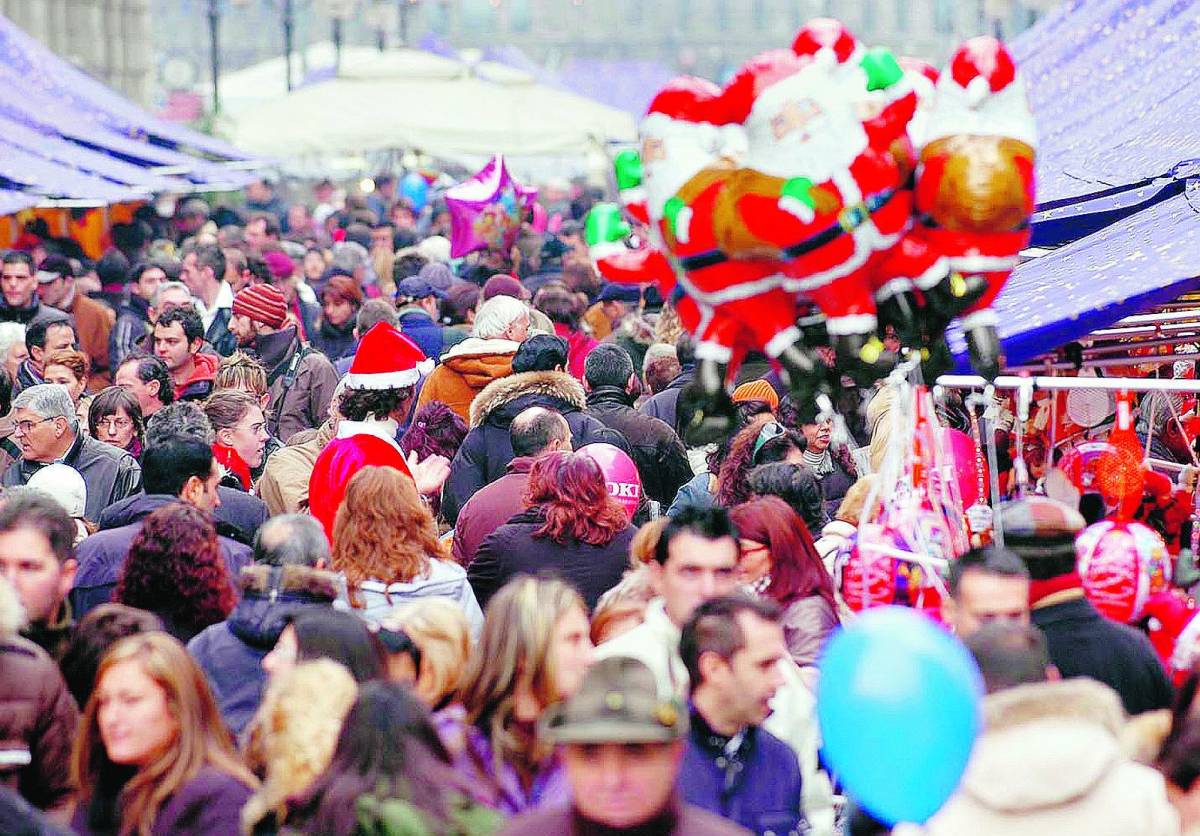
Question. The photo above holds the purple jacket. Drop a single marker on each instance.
(757, 785)
(500, 788)
(208, 805)
(491, 507)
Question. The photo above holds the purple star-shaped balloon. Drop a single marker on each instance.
(486, 211)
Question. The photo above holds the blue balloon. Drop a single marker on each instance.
(414, 187)
(898, 705)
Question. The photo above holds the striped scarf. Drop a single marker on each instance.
(821, 463)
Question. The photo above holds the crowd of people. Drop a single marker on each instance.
(302, 531)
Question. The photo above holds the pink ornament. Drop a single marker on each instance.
(487, 210)
(961, 463)
(1122, 565)
(620, 474)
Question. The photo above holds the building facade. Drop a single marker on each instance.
(110, 39)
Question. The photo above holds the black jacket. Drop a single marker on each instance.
(238, 517)
(1082, 642)
(657, 451)
(132, 325)
(513, 550)
(110, 474)
(663, 405)
(486, 451)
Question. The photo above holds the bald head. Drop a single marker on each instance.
(538, 430)
(291, 540)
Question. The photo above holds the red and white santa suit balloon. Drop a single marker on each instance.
(813, 193)
(975, 182)
(385, 360)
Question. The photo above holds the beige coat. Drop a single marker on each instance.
(1050, 762)
(284, 483)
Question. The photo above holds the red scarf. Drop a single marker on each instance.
(234, 463)
(1044, 589)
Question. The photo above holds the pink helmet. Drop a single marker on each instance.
(620, 474)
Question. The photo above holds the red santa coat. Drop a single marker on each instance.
(358, 444)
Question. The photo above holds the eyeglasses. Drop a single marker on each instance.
(26, 427)
(114, 422)
(770, 431)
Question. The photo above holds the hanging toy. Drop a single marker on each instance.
(1122, 564)
(975, 187)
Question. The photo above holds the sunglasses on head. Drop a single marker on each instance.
(770, 430)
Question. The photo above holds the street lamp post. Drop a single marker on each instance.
(214, 54)
(289, 30)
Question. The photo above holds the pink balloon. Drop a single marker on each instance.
(540, 219)
(960, 452)
(620, 474)
(486, 211)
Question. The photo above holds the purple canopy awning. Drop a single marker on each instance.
(1144, 260)
(1115, 87)
(40, 69)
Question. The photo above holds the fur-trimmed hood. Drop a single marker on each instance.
(543, 386)
(1046, 744)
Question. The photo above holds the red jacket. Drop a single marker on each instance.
(199, 385)
(347, 454)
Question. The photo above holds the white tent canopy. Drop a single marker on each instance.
(414, 100)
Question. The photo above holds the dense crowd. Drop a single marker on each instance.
(309, 528)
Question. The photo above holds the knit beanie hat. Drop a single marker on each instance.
(261, 303)
(757, 390)
(1042, 532)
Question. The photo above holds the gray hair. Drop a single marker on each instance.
(48, 400)
(291, 540)
(657, 350)
(496, 314)
(164, 287)
(350, 255)
(182, 419)
(11, 333)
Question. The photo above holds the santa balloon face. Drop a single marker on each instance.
(672, 153)
(796, 129)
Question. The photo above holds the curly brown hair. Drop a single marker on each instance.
(733, 479)
(383, 532)
(175, 569)
(569, 491)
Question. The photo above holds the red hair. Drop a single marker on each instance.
(796, 568)
(175, 568)
(569, 490)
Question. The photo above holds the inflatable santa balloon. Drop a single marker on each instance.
(975, 186)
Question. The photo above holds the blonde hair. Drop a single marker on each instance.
(439, 628)
(879, 423)
(645, 541)
(76, 362)
(514, 654)
(628, 598)
(293, 734)
(201, 738)
(851, 509)
(382, 531)
(242, 372)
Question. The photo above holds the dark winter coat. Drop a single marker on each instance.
(110, 474)
(513, 550)
(38, 717)
(1082, 642)
(663, 405)
(658, 453)
(334, 341)
(133, 324)
(238, 517)
(419, 327)
(102, 555)
(758, 786)
(490, 508)
(487, 449)
(681, 820)
(300, 384)
(208, 805)
(231, 653)
(218, 334)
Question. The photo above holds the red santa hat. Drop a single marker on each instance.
(764, 72)
(685, 100)
(828, 42)
(981, 92)
(386, 359)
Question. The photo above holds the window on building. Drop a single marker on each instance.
(943, 16)
(479, 16)
(903, 10)
(758, 14)
(520, 16)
